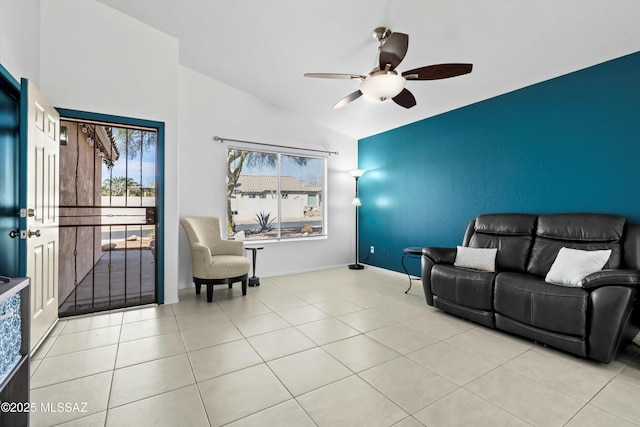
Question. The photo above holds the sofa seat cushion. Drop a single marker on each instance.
(470, 288)
(532, 301)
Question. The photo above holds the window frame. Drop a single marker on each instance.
(280, 197)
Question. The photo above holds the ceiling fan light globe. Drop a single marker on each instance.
(382, 86)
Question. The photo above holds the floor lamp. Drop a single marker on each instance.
(357, 173)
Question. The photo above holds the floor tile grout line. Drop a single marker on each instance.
(582, 402)
(490, 402)
(387, 397)
(40, 348)
(69, 380)
(150, 360)
(204, 406)
(195, 378)
(149, 397)
(113, 371)
(602, 409)
(49, 355)
(634, 384)
(512, 370)
(83, 417)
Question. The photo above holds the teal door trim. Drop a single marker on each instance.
(160, 187)
(22, 168)
(6, 75)
(9, 171)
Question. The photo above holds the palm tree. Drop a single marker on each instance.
(134, 142)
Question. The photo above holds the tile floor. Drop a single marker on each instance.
(328, 348)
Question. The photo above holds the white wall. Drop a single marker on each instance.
(209, 108)
(87, 56)
(20, 38)
(291, 209)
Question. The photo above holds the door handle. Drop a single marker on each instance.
(33, 233)
(14, 233)
(31, 212)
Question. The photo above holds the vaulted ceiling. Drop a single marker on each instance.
(263, 47)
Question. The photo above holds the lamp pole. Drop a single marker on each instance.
(357, 173)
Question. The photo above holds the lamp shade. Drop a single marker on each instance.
(357, 173)
(382, 86)
(356, 202)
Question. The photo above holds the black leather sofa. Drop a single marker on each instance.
(589, 320)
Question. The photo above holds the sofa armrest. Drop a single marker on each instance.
(440, 255)
(616, 277)
(611, 308)
(431, 257)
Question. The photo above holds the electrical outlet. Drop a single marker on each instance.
(372, 250)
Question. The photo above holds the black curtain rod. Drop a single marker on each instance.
(222, 140)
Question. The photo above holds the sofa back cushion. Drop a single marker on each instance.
(576, 231)
(631, 247)
(511, 234)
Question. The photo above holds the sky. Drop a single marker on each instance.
(131, 167)
(311, 172)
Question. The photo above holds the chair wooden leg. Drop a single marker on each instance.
(198, 285)
(230, 285)
(209, 293)
(244, 286)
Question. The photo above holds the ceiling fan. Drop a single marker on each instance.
(384, 82)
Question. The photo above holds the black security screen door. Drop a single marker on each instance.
(107, 217)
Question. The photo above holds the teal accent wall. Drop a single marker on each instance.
(570, 144)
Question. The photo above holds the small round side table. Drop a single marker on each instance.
(410, 252)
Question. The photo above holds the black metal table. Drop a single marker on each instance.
(253, 280)
(410, 252)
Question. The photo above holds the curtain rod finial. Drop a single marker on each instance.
(217, 138)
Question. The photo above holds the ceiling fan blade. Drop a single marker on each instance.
(335, 76)
(393, 50)
(440, 71)
(347, 99)
(405, 99)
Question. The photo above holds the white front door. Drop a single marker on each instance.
(43, 149)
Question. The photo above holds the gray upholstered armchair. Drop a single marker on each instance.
(214, 261)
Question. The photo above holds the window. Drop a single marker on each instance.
(273, 196)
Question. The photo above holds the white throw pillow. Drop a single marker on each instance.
(573, 265)
(476, 258)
